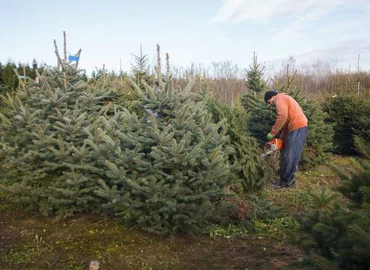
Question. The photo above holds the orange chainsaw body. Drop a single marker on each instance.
(275, 144)
(272, 146)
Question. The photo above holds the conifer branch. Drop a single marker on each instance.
(6, 188)
(168, 75)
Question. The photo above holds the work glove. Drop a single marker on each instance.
(270, 136)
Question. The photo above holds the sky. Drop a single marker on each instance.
(315, 33)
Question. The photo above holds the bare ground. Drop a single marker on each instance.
(36, 242)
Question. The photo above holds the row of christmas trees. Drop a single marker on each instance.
(165, 159)
(69, 146)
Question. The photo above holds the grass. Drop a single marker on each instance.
(31, 241)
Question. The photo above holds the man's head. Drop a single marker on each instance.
(269, 95)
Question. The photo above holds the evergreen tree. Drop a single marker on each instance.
(338, 234)
(167, 170)
(8, 77)
(260, 117)
(254, 74)
(9, 81)
(349, 114)
(255, 89)
(252, 171)
(43, 132)
(140, 70)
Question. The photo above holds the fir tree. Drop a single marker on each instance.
(43, 132)
(260, 117)
(140, 70)
(253, 172)
(350, 116)
(165, 170)
(8, 78)
(254, 74)
(338, 233)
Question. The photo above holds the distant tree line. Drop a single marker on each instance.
(223, 77)
(9, 80)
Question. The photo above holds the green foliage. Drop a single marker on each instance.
(355, 181)
(231, 231)
(275, 228)
(254, 74)
(338, 234)
(253, 172)
(116, 88)
(140, 70)
(165, 170)
(43, 131)
(260, 117)
(163, 166)
(8, 78)
(350, 115)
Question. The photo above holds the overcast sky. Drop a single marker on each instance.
(191, 31)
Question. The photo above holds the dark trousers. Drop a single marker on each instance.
(291, 154)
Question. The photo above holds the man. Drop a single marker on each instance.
(292, 123)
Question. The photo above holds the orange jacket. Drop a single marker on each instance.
(289, 114)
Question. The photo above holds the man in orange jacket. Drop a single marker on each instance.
(292, 123)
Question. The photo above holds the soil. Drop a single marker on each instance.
(37, 242)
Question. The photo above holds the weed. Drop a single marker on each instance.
(41, 246)
(229, 232)
(277, 228)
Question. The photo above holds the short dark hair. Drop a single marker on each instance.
(269, 94)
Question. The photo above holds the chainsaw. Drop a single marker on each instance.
(272, 146)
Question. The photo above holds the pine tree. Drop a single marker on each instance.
(338, 233)
(9, 81)
(165, 170)
(260, 117)
(140, 70)
(43, 132)
(254, 74)
(253, 172)
(8, 77)
(350, 115)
